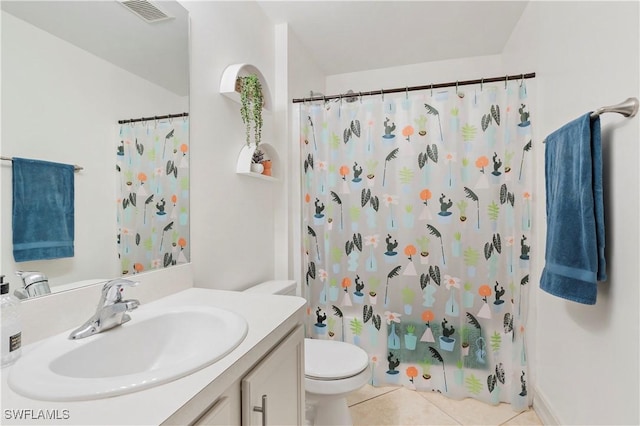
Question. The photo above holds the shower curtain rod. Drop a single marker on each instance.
(76, 168)
(413, 88)
(157, 117)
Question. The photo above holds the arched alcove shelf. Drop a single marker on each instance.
(244, 162)
(229, 87)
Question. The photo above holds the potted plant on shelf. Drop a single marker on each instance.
(256, 161)
(251, 103)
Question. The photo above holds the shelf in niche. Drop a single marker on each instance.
(231, 75)
(244, 161)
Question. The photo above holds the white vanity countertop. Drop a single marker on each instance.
(269, 319)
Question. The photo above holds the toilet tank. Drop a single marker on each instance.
(287, 287)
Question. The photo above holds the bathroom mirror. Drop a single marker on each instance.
(70, 71)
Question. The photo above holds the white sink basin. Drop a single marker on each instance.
(153, 348)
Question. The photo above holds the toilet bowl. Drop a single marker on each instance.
(332, 370)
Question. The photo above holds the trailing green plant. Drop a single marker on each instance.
(251, 101)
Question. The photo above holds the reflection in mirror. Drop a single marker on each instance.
(70, 71)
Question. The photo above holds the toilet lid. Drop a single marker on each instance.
(331, 360)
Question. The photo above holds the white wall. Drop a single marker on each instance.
(232, 216)
(586, 55)
(421, 74)
(242, 227)
(304, 76)
(62, 104)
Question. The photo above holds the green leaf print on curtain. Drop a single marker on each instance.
(152, 164)
(439, 229)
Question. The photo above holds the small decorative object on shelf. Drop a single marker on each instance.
(267, 167)
(251, 100)
(256, 161)
(258, 165)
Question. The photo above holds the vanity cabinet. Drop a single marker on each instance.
(269, 361)
(271, 391)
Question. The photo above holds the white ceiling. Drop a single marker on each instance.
(341, 36)
(349, 36)
(158, 52)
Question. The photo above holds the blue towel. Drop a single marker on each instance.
(43, 210)
(574, 259)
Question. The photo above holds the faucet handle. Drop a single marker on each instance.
(112, 290)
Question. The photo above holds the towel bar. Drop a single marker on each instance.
(76, 168)
(627, 108)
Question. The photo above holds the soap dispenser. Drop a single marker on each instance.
(11, 325)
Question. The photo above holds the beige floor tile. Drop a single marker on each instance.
(527, 418)
(367, 392)
(470, 411)
(399, 407)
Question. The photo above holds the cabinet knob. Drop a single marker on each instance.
(262, 409)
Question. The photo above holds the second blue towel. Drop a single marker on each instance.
(43, 210)
(574, 259)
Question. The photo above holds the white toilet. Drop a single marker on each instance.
(332, 369)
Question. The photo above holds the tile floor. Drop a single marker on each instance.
(399, 406)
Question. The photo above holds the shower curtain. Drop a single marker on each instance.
(152, 164)
(417, 219)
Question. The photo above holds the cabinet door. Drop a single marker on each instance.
(273, 392)
(224, 412)
(219, 415)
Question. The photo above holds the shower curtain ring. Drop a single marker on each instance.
(522, 80)
(432, 90)
(456, 87)
(506, 77)
(360, 97)
(382, 93)
(406, 93)
(481, 83)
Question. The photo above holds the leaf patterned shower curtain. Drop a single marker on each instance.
(153, 194)
(417, 221)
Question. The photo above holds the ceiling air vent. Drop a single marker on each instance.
(145, 10)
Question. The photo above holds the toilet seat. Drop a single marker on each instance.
(328, 360)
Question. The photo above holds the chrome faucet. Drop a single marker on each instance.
(34, 284)
(111, 310)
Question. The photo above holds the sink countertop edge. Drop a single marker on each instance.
(268, 323)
